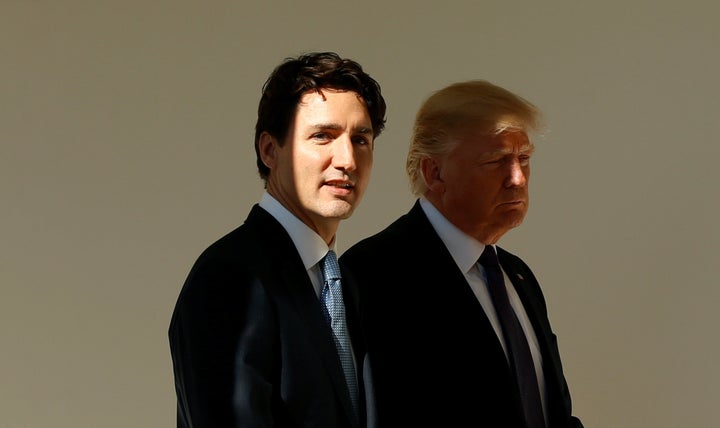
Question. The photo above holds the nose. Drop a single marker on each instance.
(517, 175)
(344, 154)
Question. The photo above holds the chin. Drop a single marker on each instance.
(339, 209)
(514, 219)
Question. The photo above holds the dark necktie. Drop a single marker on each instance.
(334, 311)
(520, 357)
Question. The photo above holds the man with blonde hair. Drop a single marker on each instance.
(457, 327)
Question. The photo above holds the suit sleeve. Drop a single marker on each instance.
(222, 338)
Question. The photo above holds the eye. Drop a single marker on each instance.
(524, 159)
(321, 136)
(362, 140)
(493, 161)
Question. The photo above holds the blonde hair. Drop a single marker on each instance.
(475, 105)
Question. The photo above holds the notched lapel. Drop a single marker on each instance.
(298, 288)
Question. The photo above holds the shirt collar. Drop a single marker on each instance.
(463, 248)
(310, 245)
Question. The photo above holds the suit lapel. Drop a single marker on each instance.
(432, 254)
(302, 297)
(286, 274)
(533, 301)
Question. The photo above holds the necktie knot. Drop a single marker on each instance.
(489, 260)
(330, 266)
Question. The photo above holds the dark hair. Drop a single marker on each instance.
(290, 80)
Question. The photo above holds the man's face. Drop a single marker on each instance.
(484, 183)
(322, 170)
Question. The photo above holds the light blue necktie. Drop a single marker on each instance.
(334, 312)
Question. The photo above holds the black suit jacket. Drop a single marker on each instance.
(436, 358)
(248, 341)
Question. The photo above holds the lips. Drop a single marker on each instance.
(340, 184)
(516, 202)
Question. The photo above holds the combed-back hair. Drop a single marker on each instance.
(475, 105)
(294, 77)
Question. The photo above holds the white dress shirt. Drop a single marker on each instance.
(466, 251)
(310, 245)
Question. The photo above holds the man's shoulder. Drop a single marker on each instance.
(232, 244)
(392, 234)
(247, 239)
(513, 263)
(509, 257)
(398, 241)
(246, 256)
(244, 249)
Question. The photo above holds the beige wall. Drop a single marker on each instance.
(126, 147)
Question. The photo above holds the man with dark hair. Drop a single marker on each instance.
(265, 333)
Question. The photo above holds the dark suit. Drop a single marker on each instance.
(436, 359)
(249, 344)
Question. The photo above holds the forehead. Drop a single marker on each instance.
(330, 100)
(505, 141)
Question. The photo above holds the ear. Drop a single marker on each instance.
(431, 172)
(268, 149)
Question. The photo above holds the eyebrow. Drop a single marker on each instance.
(334, 126)
(527, 149)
